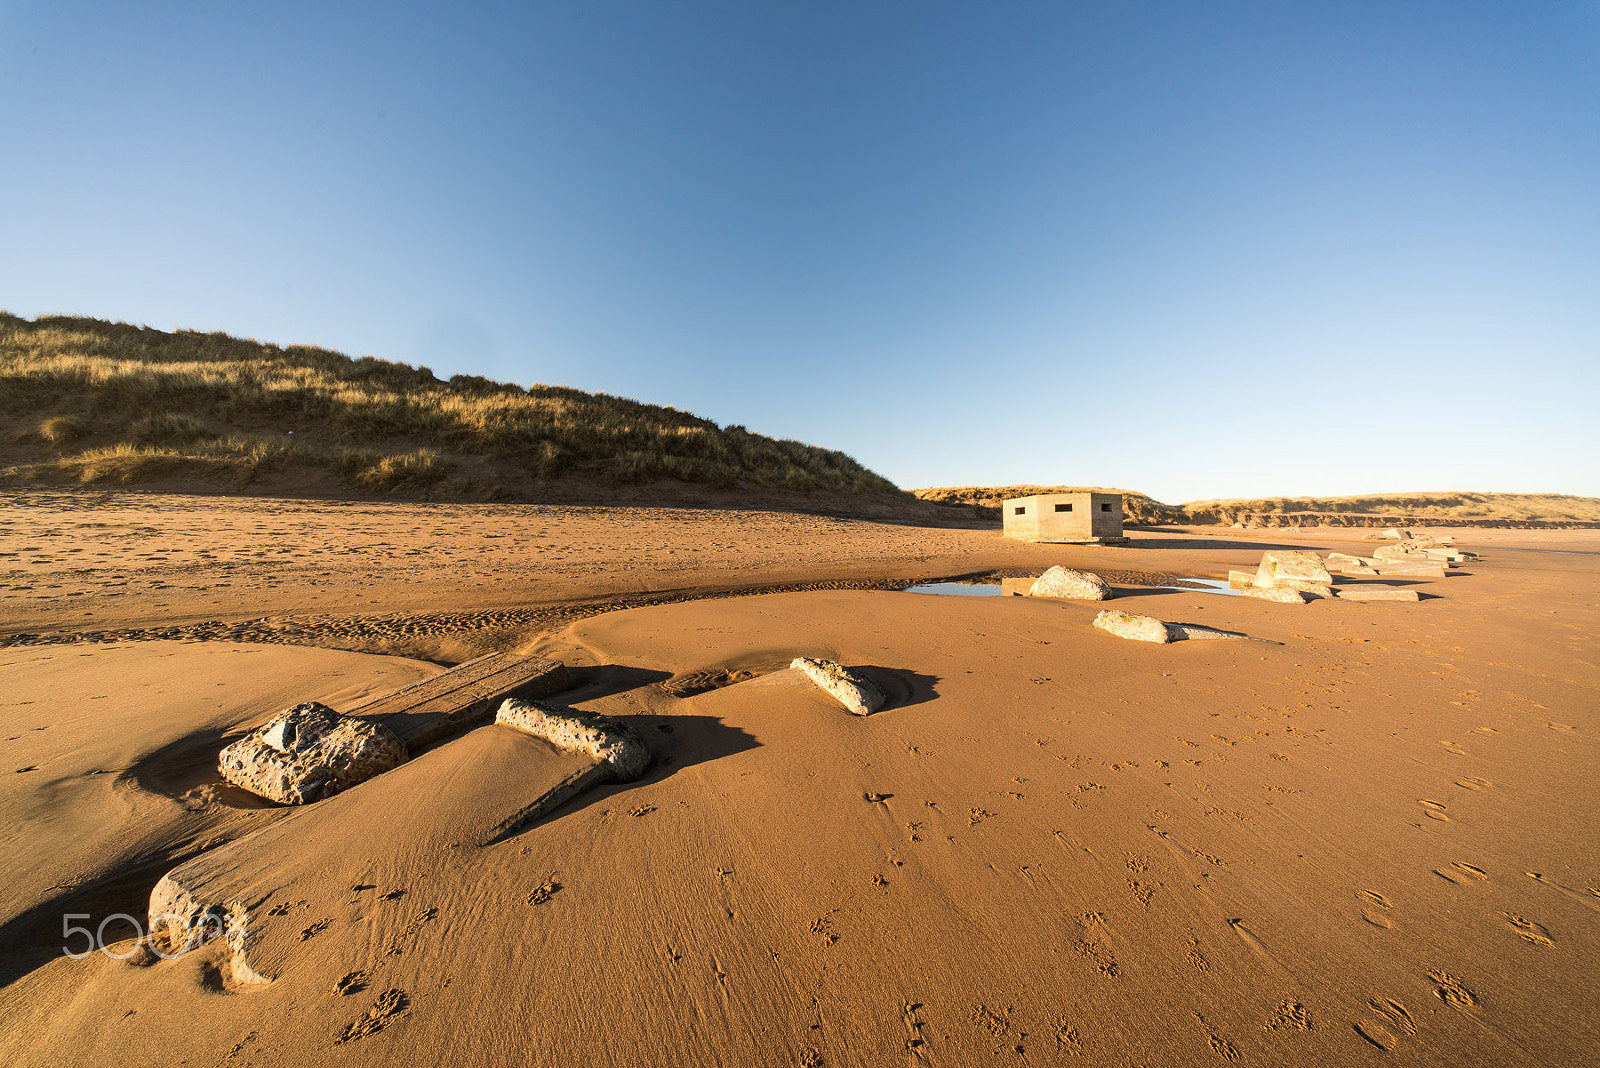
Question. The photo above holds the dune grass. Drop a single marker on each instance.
(88, 401)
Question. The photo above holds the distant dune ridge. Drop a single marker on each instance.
(1375, 510)
(91, 402)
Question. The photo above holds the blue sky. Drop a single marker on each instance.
(1193, 249)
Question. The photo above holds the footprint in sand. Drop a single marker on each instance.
(1223, 1048)
(1373, 916)
(351, 983)
(1433, 810)
(1473, 782)
(1377, 1034)
(1290, 1014)
(1454, 748)
(389, 1006)
(1459, 869)
(1450, 990)
(544, 891)
(1536, 933)
(1392, 1017)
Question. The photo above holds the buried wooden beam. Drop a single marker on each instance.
(463, 697)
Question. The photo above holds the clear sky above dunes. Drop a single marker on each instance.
(1194, 249)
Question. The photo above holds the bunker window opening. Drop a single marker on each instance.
(1105, 508)
(1022, 509)
(1063, 507)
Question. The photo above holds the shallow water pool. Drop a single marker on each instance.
(985, 588)
(994, 587)
(1205, 585)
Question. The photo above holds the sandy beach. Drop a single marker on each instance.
(1364, 835)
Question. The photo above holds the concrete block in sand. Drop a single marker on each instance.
(1282, 566)
(1376, 593)
(309, 752)
(611, 743)
(1073, 585)
(1241, 580)
(1280, 594)
(1135, 628)
(855, 691)
(1425, 550)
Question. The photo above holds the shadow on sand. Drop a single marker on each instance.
(902, 688)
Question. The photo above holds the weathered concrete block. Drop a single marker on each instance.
(1016, 587)
(309, 752)
(1074, 585)
(1340, 561)
(1423, 550)
(179, 921)
(1280, 594)
(1397, 533)
(1280, 566)
(1135, 628)
(611, 743)
(855, 691)
(1376, 593)
(1241, 580)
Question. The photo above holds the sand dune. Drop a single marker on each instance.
(1365, 837)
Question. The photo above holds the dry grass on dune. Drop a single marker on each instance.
(87, 401)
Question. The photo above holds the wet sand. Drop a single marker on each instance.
(1364, 837)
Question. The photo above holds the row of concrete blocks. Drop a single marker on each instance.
(310, 752)
(1296, 576)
